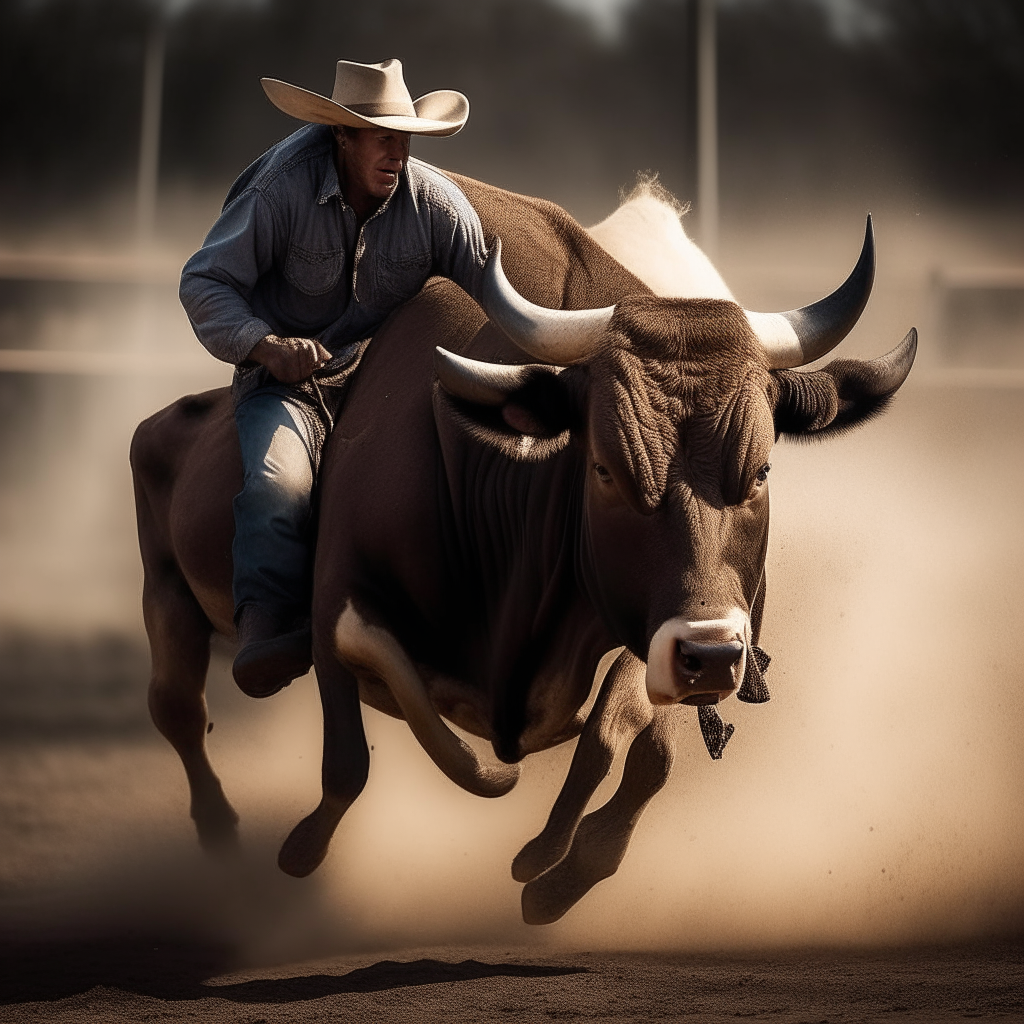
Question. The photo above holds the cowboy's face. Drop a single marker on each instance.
(373, 158)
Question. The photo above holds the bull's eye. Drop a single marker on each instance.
(602, 474)
(762, 474)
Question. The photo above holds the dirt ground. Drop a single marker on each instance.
(142, 979)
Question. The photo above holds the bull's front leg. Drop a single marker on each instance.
(602, 837)
(346, 766)
(620, 712)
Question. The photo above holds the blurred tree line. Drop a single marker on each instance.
(927, 99)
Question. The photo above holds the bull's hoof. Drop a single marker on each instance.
(542, 905)
(539, 855)
(306, 847)
(596, 854)
(216, 824)
(550, 897)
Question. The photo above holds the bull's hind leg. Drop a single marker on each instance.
(619, 713)
(602, 837)
(346, 765)
(179, 640)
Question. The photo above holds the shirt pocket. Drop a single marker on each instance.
(400, 277)
(314, 271)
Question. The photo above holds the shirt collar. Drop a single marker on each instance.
(330, 186)
(387, 202)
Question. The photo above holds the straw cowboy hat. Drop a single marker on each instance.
(373, 96)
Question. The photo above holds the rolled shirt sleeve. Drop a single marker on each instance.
(218, 281)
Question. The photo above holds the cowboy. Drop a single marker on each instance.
(318, 241)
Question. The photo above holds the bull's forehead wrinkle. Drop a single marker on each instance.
(722, 449)
(643, 438)
(643, 406)
(691, 329)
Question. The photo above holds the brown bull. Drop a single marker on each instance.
(489, 531)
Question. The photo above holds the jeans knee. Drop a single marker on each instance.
(285, 487)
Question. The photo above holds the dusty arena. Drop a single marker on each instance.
(855, 855)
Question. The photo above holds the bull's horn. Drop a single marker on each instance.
(800, 336)
(557, 336)
(879, 378)
(476, 381)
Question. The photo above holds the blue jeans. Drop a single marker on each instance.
(273, 512)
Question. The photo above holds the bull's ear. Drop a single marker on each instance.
(526, 411)
(842, 394)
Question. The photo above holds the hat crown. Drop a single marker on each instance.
(373, 90)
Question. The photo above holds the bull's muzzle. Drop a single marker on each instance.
(705, 673)
(697, 662)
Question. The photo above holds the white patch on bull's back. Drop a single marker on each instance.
(661, 686)
(647, 238)
(365, 649)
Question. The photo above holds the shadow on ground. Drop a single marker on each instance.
(45, 972)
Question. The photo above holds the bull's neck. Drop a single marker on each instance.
(517, 524)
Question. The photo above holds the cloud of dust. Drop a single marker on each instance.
(67, 518)
(874, 800)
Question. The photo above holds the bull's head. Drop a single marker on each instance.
(677, 404)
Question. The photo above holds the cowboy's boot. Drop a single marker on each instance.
(269, 656)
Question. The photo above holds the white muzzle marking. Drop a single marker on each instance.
(663, 683)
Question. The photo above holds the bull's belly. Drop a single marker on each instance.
(535, 714)
(465, 708)
(446, 695)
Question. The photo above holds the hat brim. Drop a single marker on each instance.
(439, 113)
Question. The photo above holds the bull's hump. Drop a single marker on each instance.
(646, 237)
(550, 258)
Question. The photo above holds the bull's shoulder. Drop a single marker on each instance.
(162, 441)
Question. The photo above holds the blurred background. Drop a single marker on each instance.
(878, 798)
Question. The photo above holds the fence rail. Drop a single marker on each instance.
(108, 364)
(90, 268)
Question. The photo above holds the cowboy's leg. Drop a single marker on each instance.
(271, 549)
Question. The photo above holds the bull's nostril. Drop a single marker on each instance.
(711, 666)
(690, 663)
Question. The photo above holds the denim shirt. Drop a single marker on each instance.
(286, 256)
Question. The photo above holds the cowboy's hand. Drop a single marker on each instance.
(290, 359)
